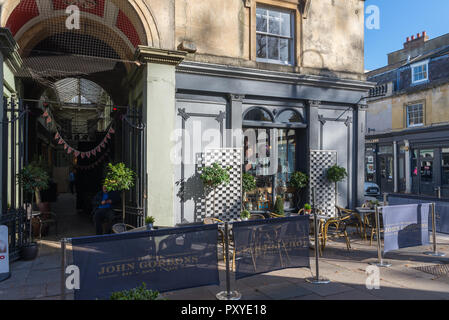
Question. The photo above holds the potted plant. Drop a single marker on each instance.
(119, 178)
(149, 221)
(213, 176)
(279, 206)
(244, 215)
(336, 174)
(140, 293)
(298, 181)
(307, 208)
(248, 185)
(32, 179)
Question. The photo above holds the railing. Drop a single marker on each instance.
(18, 229)
(135, 217)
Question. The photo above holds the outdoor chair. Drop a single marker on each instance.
(256, 216)
(354, 221)
(275, 215)
(337, 226)
(47, 219)
(122, 227)
(370, 222)
(221, 238)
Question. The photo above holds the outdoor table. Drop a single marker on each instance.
(364, 215)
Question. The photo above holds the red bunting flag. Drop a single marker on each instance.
(61, 141)
(108, 136)
(83, 154)
(94, 152)
(48, 120)
(103, 145)
(66, 146)
(111, 130)
(69, 150)
(88, 154)
(98, 149)
(57, 136)
(45, 115)
(77, 153)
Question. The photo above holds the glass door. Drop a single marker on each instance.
(427, 183)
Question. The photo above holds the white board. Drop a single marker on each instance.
(4, 253)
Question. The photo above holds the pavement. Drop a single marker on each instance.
(40, 279)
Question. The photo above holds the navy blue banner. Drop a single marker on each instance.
(166, 259)
(441, 209)
(271, 244)
(405, 226)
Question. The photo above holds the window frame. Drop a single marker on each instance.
(291, 39)
(407, 118)
(417, 65)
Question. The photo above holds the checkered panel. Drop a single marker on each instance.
(228, 198)
(319, 162)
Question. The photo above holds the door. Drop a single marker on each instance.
(426, 174)
(386, 173)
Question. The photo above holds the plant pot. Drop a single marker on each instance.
(149, 226)
(308, 211)
(30, 251)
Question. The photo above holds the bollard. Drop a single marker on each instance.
(228, 294)
(434, 253)
(317, 279)
(380, 262)
(63, 263)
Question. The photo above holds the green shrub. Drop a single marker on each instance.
(298, 180)
(307, 207)
(279, 206)
(248, 182)
(336, 173)
(140, 293)
(245, 214)
(149, 220)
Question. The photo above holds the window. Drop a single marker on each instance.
(289, 116)
(258, 114)
(419, 72)
(274, 36)
(445, 166)
(415, 115)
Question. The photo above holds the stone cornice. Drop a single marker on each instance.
(10, 48)
(153, 55)
(202, 68)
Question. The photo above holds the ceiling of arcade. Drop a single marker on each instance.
(122, 25)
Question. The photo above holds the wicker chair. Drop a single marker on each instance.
(275, 215)
(338, 227)
(354, 221)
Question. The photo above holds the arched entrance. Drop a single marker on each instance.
(75, 83)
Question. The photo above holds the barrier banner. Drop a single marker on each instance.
(406, 226)
(441, 210)
(165, 259)
(4, 253)
(271, 244)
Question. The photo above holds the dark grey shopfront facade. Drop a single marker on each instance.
(412, 161)
(305, 112)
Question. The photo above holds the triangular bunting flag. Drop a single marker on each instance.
(102, 145)
(66, 146)
(77, 153)
(57, 136)
(69, 150)
(112, 130)
(83, 154)
(88, 154)
(94, 152)
(98, 149)
(61, 141)
(45, 115)
(48, 120)
(108, 136)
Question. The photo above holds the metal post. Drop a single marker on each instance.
(316, 279)
(63, 263)
(434, 253)
(385, 199)
(380, 262)
(228, 294)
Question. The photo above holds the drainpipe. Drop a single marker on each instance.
(395, 166)
(408, 170)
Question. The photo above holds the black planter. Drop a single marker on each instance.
(30, 251)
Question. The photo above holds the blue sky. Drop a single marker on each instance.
(400, 19)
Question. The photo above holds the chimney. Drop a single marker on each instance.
(415, 42)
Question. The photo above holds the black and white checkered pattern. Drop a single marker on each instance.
(319, 162)
(228, 198)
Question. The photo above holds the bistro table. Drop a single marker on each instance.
(365, 214)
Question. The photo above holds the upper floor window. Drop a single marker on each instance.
(420, 72)
(415, 115)
(274, 36)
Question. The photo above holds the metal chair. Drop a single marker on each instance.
(256, 216)
(47, 218)
(275, 215)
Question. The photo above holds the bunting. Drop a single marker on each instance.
(69, 149)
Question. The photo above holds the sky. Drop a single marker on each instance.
(400, 19)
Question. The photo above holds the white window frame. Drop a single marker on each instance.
(420, 64)
(291, 39)
(408, 118)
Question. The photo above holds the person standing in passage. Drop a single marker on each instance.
(72, 178)
(104, 213)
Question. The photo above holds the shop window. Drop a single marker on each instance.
(258, 114)
(271, 159)
(274, 36)
(426, 171)
(445, 166)
(415, 115)
(385, 150)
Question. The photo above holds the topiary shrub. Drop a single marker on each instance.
(279, 206)
(336, 173)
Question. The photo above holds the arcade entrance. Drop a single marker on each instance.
(77, 106)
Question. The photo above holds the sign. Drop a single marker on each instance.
(271, 244)
(406, 226)
(165, 260)
(4, 253)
